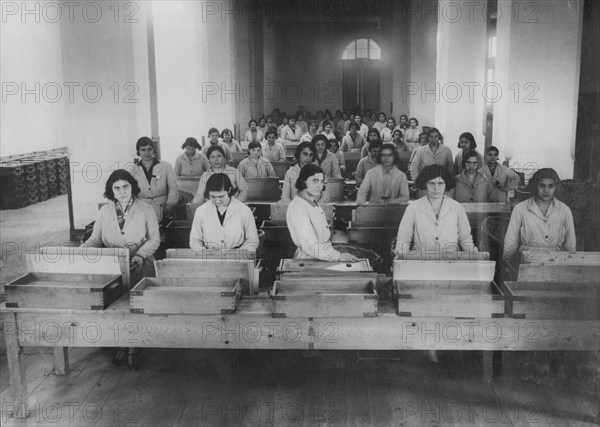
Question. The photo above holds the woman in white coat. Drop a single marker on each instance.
(223, 222)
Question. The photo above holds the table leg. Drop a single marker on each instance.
(488, 366)
(61, 360)
(16, 368)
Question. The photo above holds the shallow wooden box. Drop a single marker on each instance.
(324, 297)
(185, 295)
(458, 299)
(553, 300)
(293, 268)
(76, 291)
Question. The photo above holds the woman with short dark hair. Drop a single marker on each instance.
(224, 222)
(192, 162)
(466, 143)
(255, 165)
(435, 222)
(126, 222)
(156, 179)
(541, 222)
(307, 222)
(326, 160)
(216, 158)
(253, 133)
(385, 183)
(471, 185)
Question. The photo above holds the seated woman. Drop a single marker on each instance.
(503, 178)
(304, 155)
(291, 133)
(381, 124)
(434, 153)
(192, 162)
(252, 134)
(388, 131)
(224, 222)
(273, 148)
(312, 131)
(466, 143)
(435, 222)
(126, 222)
(301, 123)
(371, 136)
(385, 183)
(156, 179)
(326, 160)
(367, 163)
(213, 141)
(284, 123)
(232, 144)
(411, 134)
(541, 222)
(403, 149)
(255, 165)
(403, 122)
(216, 158)
(353, 141)
(307, 222)
(328, 130)
(335, 150)
(471, 185)
(262, 124)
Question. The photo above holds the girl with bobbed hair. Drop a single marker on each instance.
(307, 222)
(227, 139)
(541, 222)
(216, 158)
(434, 153)
(156, 179)
(223, 222)
(325, 159)
(273, 148)
(192, 162)
(411, 133)
(304, 155)
(466, 143)
(253, 133)
(255, 165)
(385, 183)
(126, 222)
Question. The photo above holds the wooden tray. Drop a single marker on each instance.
(561, 258)
(434, 270)
(291, 268)
(185, 296)
(558, 273)
(324, 297)
(74, 291)
(458, 299)
(552, 300)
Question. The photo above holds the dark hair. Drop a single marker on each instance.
(213, 130)
(313, 123)
(191, 142)
(332, 140)
(394, 152)
(399, 131)
(267, 118)
(468, 155)
(435, 130)
(492, 148)
(403, 115)
(320, 137)
(468, 136)
(354, 125)
(252, 120)
(545, 173)
(118, 175)
(272, 130)
(375, 144)
(214, 148)
(433, 172)
(254, 144)
(262, 118)
(415, 119)
(219, 182)
(143, 142)
(421, 134)
(373, 130)
(224, 131)
(384, 115)
(301, 147)
(327, 122)
(305, 173)
(392, 119)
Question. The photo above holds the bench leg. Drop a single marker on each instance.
(16, 368)
(61, 360)
(488, 366)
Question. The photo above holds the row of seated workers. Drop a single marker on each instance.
(141, 196)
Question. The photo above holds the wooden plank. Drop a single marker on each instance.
(558, 273)
(16, 367)
(263, 189)
(70, 259)
(444, 286)
(466, 305)
(279, 211)
(61, 360)
(238, 255)
(205, 270)
(379, 214)
(560, 258)
(188, 184)
(445, 256)
(317, 268)
(442, 270)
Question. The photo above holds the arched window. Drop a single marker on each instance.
(361, 49)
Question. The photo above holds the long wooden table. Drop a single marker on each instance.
(253, 327)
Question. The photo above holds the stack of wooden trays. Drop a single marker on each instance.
(308, 288)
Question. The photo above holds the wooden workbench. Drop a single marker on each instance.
(253, 327)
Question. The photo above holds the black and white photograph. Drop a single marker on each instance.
(300, 213)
